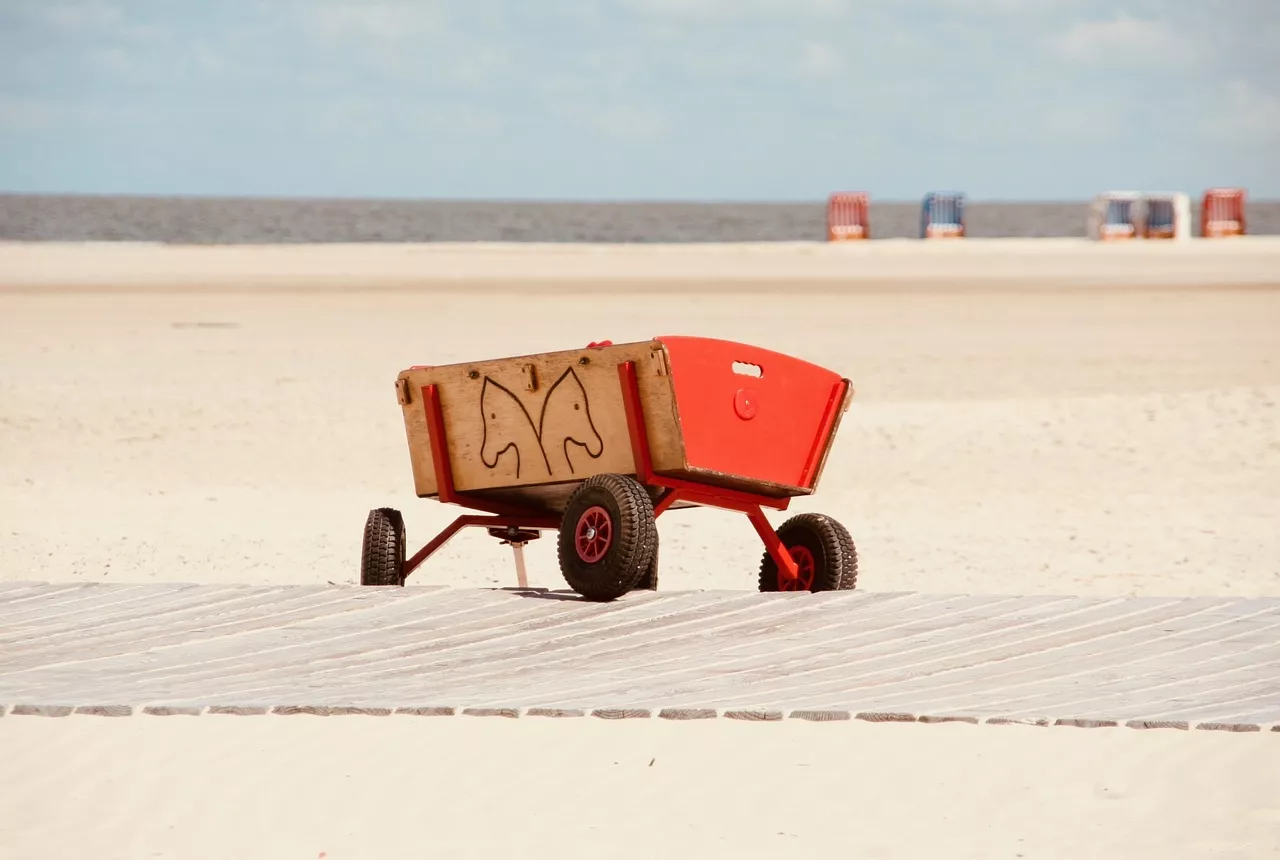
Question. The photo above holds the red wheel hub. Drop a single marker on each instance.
(805, 567)
(593, 534)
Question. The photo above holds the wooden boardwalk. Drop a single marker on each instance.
(171, 649)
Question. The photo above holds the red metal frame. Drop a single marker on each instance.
(513, 517)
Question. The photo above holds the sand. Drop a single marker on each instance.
(1032, 417)
(894, 265)
(364, 787)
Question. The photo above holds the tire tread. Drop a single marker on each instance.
(839, 551)
(635, 537)
(382, 552)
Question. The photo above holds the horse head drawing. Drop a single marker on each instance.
(508, 428)
(566, 420)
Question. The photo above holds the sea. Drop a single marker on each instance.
(215, 220)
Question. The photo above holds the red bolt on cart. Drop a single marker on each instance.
(597, 443)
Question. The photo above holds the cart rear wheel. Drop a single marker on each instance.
(821, 548)
(607, 536)
(382, 557)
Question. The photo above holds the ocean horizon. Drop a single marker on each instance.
(192, 219)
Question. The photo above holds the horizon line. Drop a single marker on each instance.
(605, 201)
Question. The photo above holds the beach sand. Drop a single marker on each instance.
(368, 787)
(1031, 416)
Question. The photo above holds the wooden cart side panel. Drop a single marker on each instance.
(661, 412)
(409, 393)
(540, 419)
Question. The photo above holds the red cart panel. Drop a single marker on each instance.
(750, 412)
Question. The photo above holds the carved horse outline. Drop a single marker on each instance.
(565, 419)
(507, 427)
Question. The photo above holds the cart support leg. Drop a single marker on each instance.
(772, 543)
(522, 579)
(499, 526)
(435, 543)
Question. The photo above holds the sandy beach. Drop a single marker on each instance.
(1031, 417)
(890, 265)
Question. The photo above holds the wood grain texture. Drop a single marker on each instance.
(1206, 663)
(541, 419)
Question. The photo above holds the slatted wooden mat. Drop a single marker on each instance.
(169, 649)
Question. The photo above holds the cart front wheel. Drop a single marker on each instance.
(607, 536)
(382, 556)
(822, 550)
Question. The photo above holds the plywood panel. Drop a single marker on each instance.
(540, 419)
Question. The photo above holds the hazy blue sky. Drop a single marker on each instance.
(626, 99)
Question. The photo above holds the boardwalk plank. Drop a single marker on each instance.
(1199, 663)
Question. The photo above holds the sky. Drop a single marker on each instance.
(785, 100)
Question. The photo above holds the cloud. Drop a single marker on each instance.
(80, 16)
(480, 67)
(1124, 41)
(1248, 114)
(623, 123)
(425, 44)
(27, 114)
(370, 122)
(971, 7)
(1078, 121)
(819, 60)
(984, 92)
(93, 19)
(388, 22)
(737, 9)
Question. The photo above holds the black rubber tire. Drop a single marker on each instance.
(382, 556)
(635, 534)
(648, 580)
(835, 557)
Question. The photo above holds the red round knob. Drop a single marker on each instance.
(744, 403)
